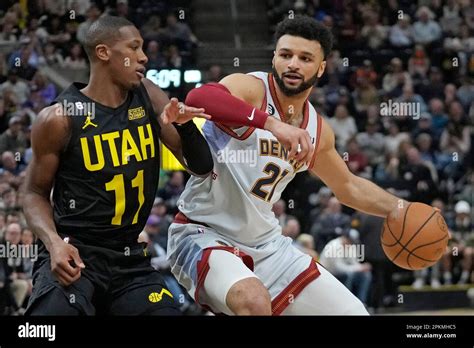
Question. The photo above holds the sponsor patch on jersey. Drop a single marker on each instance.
(136, 113)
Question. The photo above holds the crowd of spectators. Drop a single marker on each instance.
(415, 52)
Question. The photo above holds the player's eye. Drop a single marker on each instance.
(306, 59)
(285, 55)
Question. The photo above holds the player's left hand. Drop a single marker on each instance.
(178, 112)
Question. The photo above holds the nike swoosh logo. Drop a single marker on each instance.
(251, 115)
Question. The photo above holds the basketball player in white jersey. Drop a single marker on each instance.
(225, 245)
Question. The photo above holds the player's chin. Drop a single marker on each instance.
(292, 87)
(134, 83)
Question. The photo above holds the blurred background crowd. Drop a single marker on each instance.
(418, 52)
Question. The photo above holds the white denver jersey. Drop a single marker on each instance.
(251, 171)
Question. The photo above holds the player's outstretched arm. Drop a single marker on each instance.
(183, 140)
(235, 101)
(351, 190)
(49, 136)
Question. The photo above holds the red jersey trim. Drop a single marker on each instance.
(282, 301)
(273, 93)
(319, 127)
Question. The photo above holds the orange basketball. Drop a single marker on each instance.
(416, 238)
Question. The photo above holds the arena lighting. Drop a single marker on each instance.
(165, 77)
(192, 76)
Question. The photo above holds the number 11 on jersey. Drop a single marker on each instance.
(117, 185)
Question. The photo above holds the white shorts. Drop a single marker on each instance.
(283, 269)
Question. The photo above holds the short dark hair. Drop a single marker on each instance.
(104, 30)
(307, 28)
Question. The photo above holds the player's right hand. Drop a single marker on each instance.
(66, 263)
(180, 113)
(296, 140)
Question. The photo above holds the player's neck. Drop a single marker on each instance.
(102, 90)
(292, 106)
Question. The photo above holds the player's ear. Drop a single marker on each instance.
(321, 68)
(102, 52)
(273, 59)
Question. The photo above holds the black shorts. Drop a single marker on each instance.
(113, 283)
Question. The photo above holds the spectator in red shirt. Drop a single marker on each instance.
(356, 160)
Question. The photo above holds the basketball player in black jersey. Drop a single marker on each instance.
(97, 149)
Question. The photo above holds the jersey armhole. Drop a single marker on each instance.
(319, 126)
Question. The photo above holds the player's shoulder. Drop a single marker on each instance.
(240, 78)
(51, 114)
(149, 85)
(245, 86)
(52, 121)
(150, 88)
(157, 96)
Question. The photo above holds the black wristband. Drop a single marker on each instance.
(196, 152)
(185, 128)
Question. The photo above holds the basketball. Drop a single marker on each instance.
(416, 238)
